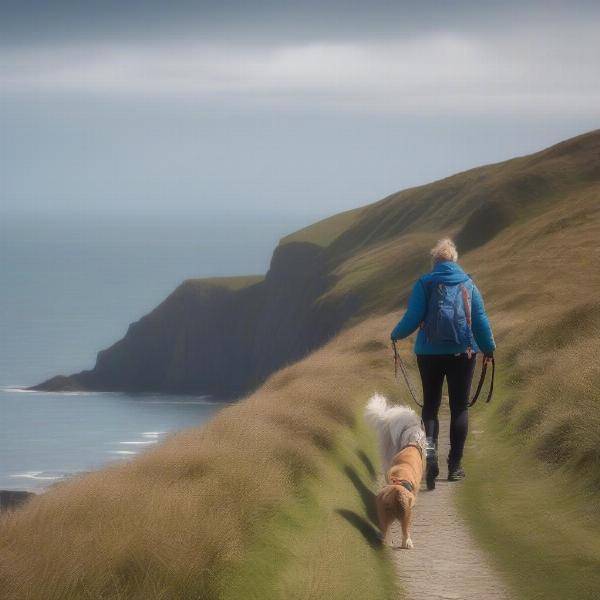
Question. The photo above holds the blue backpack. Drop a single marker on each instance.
(448, 317)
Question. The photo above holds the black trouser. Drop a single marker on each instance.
(458, 371)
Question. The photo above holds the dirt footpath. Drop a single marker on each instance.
(446, 562)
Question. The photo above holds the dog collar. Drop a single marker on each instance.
(404, 483)
(414, 445)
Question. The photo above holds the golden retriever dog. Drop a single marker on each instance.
(402, 443)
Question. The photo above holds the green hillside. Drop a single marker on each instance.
(527, 230)
(324, 232)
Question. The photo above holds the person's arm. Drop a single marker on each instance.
(481, 327)
(414, 315)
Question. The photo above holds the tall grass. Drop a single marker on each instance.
(539, 524)
(324, 544)
(533, 486)
(184, 519)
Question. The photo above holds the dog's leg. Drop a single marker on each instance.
(384, 523)
(406, 521)
(386, 533)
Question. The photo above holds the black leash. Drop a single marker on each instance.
(482, 379)
(398, 362)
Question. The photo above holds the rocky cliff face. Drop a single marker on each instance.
(208, 338)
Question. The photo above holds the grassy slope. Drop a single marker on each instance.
(392, 236)
(211, 512)
(532, 246)
(534, 488)
(528, 229)
(540, 525)
(324, 232)
(323, 544)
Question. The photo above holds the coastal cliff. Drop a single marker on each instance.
(224, 336)
(221, 336)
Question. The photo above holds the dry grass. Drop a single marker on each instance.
(533, 491)
(547, 321)
(177, 521)
(539, 525)
(324, 545)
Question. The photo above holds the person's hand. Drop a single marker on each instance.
(488, 357)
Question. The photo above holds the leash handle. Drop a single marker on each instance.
(492, 382)
(484, 366)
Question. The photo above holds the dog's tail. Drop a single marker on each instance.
(376, 411)
(376, 415)
(392, 497)
(406, 499)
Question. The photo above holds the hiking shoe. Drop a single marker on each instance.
(433, 470)
(456, 473)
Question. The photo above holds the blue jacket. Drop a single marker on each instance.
(449, 273)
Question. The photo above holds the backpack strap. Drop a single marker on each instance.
(427, 292)
(467, 305)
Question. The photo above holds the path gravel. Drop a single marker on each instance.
(446, 562)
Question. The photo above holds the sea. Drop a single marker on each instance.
(70, 284)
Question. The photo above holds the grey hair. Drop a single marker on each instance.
(444, 250)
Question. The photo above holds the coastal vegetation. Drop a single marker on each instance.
(273, 497)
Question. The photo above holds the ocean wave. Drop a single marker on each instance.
(121, 452)
(148, 398)
(153, 434)
(205, 402)
(42, 475)
(23, 390)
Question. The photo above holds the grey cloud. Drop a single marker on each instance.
(434, 73)
(267, 21)
(311, 106)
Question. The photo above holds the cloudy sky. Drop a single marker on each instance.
(304, 107)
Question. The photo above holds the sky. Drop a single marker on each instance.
(306, 108)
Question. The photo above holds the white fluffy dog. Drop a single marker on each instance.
(402, 443)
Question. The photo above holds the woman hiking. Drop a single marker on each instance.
(448, 308)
